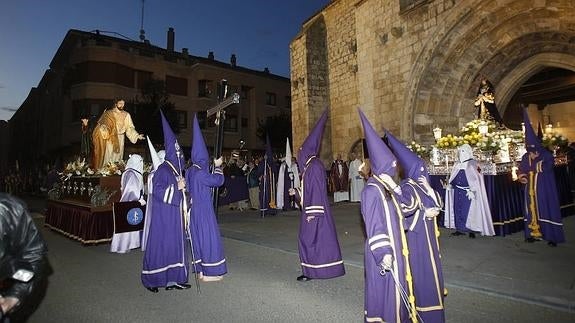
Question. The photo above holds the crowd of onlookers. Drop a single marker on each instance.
(35, 181)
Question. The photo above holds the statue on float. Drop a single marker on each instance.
(108, 136)
(485, 103)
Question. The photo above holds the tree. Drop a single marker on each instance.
(145, 110)
(278, 128)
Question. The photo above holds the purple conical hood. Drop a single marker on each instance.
(312, 143)
(200, 155)
(380, 157)
(413, 166)
(532, 142)
(170, 142)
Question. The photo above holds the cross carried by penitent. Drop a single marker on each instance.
(220, 112)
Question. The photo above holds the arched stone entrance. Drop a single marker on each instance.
(505, 42)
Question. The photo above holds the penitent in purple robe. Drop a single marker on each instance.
(165, 259)
(207, 242)
(389, 295)
(208, 250)
(382, 217)
(319, 250)
(424, 256)
(542, 210)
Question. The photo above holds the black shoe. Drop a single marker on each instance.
(530, 240)
(178, 286)
(472, 235)
(153, 289)
(457, 233)
(552, 244)
(303, 278)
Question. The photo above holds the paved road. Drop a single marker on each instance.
(89, 284)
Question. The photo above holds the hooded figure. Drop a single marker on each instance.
(542, 211)
(319, 250)
(165, 258)
(267, 172)
(288, 177)
(466, 206)
(387, 269)
(208, 251)
(157, 160)
(422, 235)
(132, 186)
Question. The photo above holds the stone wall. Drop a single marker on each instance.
(419, 68)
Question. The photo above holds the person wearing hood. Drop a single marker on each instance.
(267, 172)
(542, 215)
(389, 295)
(165, 259)
(466, 206)
(355, 179)
(422, 232)
(208, 251)
(319, 250)
(339, 179)
(157, 160)
(288, 177)
(132, 186)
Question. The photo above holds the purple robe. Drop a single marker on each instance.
(542, 210)
(385, 235)
(208, 249)
(165, 259)
(424, 256)
(319, 250)
(461, 203)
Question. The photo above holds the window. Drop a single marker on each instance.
(270, 98)
(176, 85)
(205, 88)
(142, 77)
(182, 119)
(231, 123)
(245, 92)
(407, 5)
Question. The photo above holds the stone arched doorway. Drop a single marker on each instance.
(507, 43)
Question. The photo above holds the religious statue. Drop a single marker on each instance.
(485, 103)
(108, 135)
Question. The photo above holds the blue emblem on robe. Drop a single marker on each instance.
(135, 216)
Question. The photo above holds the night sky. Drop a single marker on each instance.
(257, 31)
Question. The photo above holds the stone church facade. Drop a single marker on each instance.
(412, 65)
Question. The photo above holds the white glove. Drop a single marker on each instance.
(390, 182)
(142, 202)
(218, 162)
(425, 184)
(470, 195)
(387, 262)
(181, 183)
(291, 191)
(431, 212)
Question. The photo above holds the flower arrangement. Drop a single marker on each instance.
(489, 143)
(449, 141)
(112, 168)
(420, 150)
(78, 167)
(553, 141)
(473, 126)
